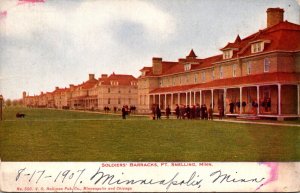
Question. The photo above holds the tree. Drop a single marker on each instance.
(8, 102)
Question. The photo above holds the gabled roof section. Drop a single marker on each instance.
(89, 84)
(192, 54)
(282, 36)
(122, 79)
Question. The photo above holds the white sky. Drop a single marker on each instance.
(59, 42)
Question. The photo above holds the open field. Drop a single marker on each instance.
(54, 135)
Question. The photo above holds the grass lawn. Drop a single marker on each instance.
(55, 135)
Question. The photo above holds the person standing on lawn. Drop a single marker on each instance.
(123, 112)
(168, 112)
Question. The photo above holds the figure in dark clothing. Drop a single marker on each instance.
(268, 104)
(231, 107)
(193, 112)
(177, 111)
(158, 112)
(244, 106)
(168, 112)
(153, 111)
(182, 112)
(205, 113)
(188, 112)
(123, 112)
(198, 110)
(238, 105)
(202, 111)
(221, 113)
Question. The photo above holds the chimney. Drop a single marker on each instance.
(157, 66)
(56, 88)
(91, 76)
(71, 86)
(274, 16)
(103, 75)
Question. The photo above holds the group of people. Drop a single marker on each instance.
(265, 103)
(187, 112)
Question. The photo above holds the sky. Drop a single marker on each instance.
(49, 43)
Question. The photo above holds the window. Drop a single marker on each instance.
(195, 78)
(213, 74)
(129, 100)
(187, 67)
(187, 78)
(145, 98)
(179, 79)
(129, 91)
(108, 101)
(267, 65)
(108, 90)
(174, 81)
(234, 70)
(203, 76)
(119, 91)
(227, 54)
(119, 101)
(248, 68)
(160, 83)
(257, 47)
(221, 71)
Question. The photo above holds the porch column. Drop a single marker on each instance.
(172, 101)
(159, 100)
(194, 97)
(186, 99)
(212, 99)
(298, 97)
(258, 100)
(225, 93)
(241, 99)
(190, 98)
(279, 99)
(165, 101)
(200, 98)
(148, 100)
(178, 100)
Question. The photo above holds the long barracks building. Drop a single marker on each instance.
(111, 91)
(263, 68)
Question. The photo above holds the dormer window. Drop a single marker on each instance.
(133, 83)
(114, 83)
(143, 73)
(227, 54)
(257, 47)
(187, 67)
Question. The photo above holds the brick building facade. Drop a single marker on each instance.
(111, 91)
(262, 69)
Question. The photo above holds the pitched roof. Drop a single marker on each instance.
(282, 77)
(122, 79)
(192, 54)
(282, 36)
(89, 84)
